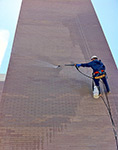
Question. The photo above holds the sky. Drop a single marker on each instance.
(107, 12)
(9, 13)
(4, 37)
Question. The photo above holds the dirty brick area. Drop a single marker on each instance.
(46, 107)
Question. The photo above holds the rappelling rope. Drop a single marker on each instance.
(110, 114)
(107, 104)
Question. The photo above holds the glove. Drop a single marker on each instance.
(77, 65)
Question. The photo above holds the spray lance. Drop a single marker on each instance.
(69, 65)
(72, 65)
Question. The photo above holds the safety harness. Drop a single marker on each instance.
(99, 74)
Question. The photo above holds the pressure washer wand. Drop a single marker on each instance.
(69, 64)
(64, 65)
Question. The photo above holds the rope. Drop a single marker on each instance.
(107, 104)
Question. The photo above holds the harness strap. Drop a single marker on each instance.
(99, 74)
(99, 77)
(99, 71)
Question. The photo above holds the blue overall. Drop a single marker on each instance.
(96, 65)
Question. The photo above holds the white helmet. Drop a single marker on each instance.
(94, 57)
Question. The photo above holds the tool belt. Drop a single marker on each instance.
(99, 74)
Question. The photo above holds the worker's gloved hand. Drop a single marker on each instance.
(77, 65)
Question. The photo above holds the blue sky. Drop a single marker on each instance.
(9, 12)
(107, 12)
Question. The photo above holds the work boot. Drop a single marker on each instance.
(109, 92)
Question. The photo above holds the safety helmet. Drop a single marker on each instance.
(94, 57)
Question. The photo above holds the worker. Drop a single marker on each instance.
(98, 72)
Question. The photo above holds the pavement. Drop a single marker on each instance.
(45, 107)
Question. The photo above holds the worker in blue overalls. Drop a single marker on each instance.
(98, 72)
